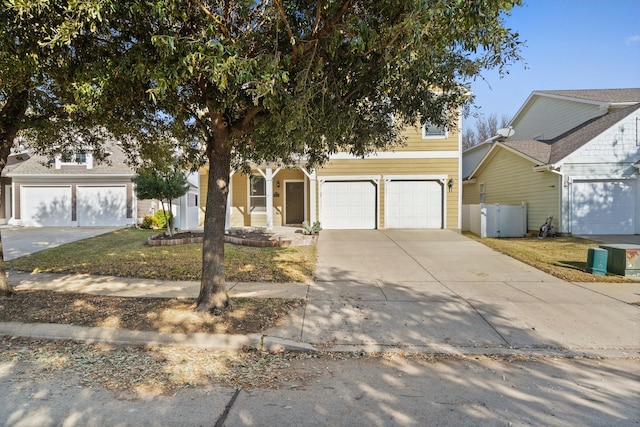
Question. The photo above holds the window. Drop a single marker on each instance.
(192, 200)
(258, 193)
(430, 131)
(482, 192)
(70, 158)
(79, 158)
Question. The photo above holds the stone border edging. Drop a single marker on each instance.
(304, 241)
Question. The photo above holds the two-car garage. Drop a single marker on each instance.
(406, 202)
(71, 205)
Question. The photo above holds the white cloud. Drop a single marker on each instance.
(632, 39)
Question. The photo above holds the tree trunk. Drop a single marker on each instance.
(168, 219)
(12, 113)
(213, 288)
(5, 289)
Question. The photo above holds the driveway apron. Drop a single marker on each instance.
(438, 290)
(21, 241)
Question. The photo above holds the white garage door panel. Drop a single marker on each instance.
(414, 204)
(602, 207)
(102, 206)
(46, 206)
(348, 205)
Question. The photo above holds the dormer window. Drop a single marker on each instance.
(69, 158)
(77, 158)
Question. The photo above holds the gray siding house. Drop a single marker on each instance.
(575, 155)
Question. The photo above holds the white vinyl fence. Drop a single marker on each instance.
(495, 220)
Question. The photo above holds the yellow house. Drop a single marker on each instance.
(416, 185)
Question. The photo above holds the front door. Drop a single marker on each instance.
(294, 199)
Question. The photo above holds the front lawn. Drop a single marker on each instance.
(563, 257)
(125, 253)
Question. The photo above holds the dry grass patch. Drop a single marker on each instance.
(563, 257)
(125, 253)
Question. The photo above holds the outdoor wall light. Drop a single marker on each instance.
(278, 184)
(450, 184)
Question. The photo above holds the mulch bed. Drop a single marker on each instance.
(246, 315)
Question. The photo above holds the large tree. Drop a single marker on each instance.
(241, 81)
(35, 82)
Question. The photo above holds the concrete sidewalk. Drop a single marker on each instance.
(419, 290)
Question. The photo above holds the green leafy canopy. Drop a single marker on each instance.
(279, 80)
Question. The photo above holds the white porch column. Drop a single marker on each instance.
(269, 180)
(227, 218)
(313, 186)
(268, 175)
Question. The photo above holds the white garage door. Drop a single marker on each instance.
(348, 205)
(414, 204)
(602, 207)
(102, 206)
(45, 206)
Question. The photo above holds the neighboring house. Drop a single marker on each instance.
(472, 156)
(73, 190)
(6, 193)
(574, 154)
(415, 186)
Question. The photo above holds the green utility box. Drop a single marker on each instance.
(597, 261)
(624, 259)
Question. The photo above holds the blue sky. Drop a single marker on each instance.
(569, 44)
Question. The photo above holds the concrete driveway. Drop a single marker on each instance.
(20, 241)
(438, 290)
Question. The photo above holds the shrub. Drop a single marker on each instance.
(311, 229)
(148, 222)
(160, 220)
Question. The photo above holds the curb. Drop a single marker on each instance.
(237, 343)
(226, 342)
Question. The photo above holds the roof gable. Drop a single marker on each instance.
(503, 146)
(116, 164)
(603, 99)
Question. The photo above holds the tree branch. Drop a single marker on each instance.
(316, 25)
(246, 122)
(207, 12)
(328, 27)
(292, 39)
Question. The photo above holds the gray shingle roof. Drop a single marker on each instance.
(537, 150)
(570, 141)
(600, 95)
(554, 150)
(37, 165)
